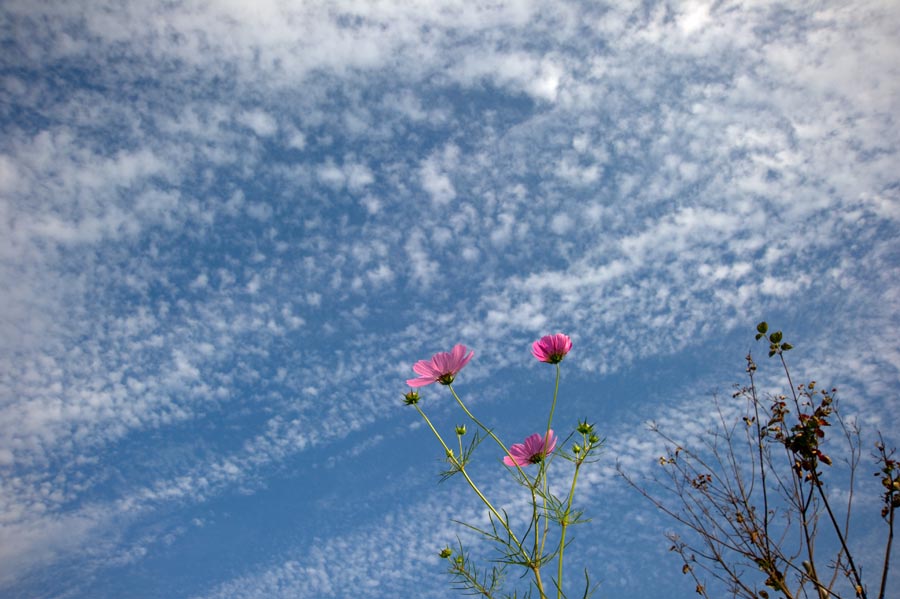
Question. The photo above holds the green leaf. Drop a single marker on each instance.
(775, 337)
(786, 346)
(762, 328)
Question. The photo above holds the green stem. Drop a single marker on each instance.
(488, 431)
(537, 579)
(542, 475)
(545, 461)
(533, 562)
(462, 469)
(535, 522)
(471, 579)
(552, 406)
(563, 528)
(472, 484)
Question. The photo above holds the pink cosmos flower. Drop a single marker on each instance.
(551, 348)
(531, 451)
(442, 367)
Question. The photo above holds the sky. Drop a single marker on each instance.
(228, 229)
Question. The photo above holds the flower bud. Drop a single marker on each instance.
(585, 428)
(411, 398)
(460, 430)
(446, 552)
(576, 449)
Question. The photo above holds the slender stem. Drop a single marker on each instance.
(889, 505)
(762, 462)
(533, 561)
(472, 580)
(887, 552)
(563, 526)
(537, 579)
(433, 430)
(542, 473)
(472, 484)
(478, 422)
(535, 523)
(552, 406)
(488, 431)
(804, 505)
(790, 382)
(837, 529)
(545, 483)
(853, 462)
(818, 485)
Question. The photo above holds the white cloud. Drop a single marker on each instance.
(372, 204)
(8, 174)
(40, 539)
(254, 284)
(436, 182)
(262, 123)
(693, 16)
(423, 267)
(296, 139)
(537, 76)
(259, 210)
(561, 223)
(352, 175)
(381, 274)
(359, 176)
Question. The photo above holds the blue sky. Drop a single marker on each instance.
(228, 229)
